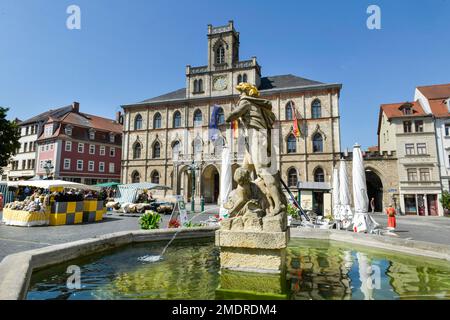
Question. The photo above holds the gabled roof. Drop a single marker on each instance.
(439, 91)
(394, 110)
(46, 115)
(91, 121)
(267, 83)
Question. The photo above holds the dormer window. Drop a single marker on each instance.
(112, 138)
(48, 131)
(407, 109)
(68, 130)
(91, 134)
(220, 55)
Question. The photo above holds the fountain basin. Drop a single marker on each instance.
(16, 270)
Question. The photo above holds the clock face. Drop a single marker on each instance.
(220, 83)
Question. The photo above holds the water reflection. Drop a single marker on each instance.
(315, 270)
(318, 270)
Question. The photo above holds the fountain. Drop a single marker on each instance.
(254, 237)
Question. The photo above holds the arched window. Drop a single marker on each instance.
(155, 177)
(292, 177)
(220, 116)
(239, 79)
(289, 110)
(319, 176)
(137, 150)
(156, 150)
(291, 144)
(138, 122)
(198, 146)
(317, 143)
(177, 119)
(196, 86)
(316, 109)
(244, 78)
(198, 118)
(200, 85)
(175, 149)
(218, 146)
(135, 177)
(157, 121)
(220, 55)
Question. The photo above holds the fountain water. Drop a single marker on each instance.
(156, 258)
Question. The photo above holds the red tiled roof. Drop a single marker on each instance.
(439, 108)
(91, 121)
(373, 149)
(394, 110)
(439, 91)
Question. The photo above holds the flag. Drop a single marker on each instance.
(296, 127)
(235, 129)
(213, 126)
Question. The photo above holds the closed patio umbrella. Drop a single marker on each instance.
(345, 212)
(362, 221)
(225, 181)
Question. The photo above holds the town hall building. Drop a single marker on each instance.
(167, 139)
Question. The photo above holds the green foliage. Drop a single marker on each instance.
(9, 138)
(292, 211)
(190, 224)
(445, 200)
(150, 220)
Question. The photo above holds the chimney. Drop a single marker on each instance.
(76, 107)
(119, 117)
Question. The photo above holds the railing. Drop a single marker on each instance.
(197, 70)
(187, 158)
(244, 64)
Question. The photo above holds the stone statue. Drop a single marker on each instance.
(257, 118)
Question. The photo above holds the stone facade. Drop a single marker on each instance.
(407, 130)
(169, 143)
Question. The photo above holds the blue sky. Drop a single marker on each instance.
(128, 51)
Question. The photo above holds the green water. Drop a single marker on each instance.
(190, 270)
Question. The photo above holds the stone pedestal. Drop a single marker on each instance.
(252, 251)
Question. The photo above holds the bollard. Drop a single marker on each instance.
(202, 204)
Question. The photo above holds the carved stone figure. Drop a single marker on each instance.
(257, 118)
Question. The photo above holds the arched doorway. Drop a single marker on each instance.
(374, 189)
(184, 183)
(210, 184)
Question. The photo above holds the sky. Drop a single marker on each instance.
(128, 51)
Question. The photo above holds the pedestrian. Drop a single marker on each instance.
(392, 222)
(372, 204)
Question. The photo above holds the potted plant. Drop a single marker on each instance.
(150, 220)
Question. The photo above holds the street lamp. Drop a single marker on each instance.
(48, 167)
(193, 167)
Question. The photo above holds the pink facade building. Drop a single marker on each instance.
(80, 147)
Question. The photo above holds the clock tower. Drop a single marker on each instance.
(224, 70)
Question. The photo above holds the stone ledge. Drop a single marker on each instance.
(253, 240)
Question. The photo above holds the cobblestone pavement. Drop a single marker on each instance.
(429, 229)
(16, 239)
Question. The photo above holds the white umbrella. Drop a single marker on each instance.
(336, 201)
(362, 221)
(345, 212)
(47, 184)
(225, 181)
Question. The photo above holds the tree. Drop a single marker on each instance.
(9, 138)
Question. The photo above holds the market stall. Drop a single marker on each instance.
(54, 202)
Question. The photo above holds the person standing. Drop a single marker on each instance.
(392, 222)
(372, 204)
